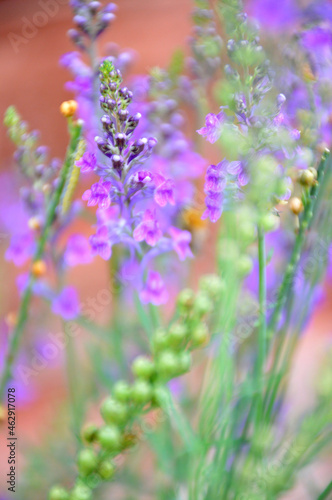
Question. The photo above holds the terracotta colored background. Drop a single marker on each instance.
(32, 80)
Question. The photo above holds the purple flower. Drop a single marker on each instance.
(78, 250)
(87, 163)
(100, 243)
(66, 304)
(181, 242)
(214, 208)
(164, 192)
(215, 180)
(148, 230)
(154, 290)
(20, 249)
(275, 16)
(98, 194)
(213, 127)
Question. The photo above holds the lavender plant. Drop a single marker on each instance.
(232, 437)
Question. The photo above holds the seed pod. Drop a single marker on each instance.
(106, 470)
(143, 367)
(89, 433)
(121, 391)
(141, 392)
(87, 462)
(58, 493)
(109, 437)
(113, 411)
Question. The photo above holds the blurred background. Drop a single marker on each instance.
(32, 79)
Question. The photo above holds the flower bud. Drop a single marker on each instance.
(167, 364)
(68, 108)
(106, 470)
(109, 438)
(121, 391)
(307, 178)
(34, 223)
(159, 341)
(87, 462)
(185, 300)
(143, 367)
(177, 335)
(212, 285)
(268, 222)
(89, 433)
(81, 492)
(113, 411)
(200, 335)
(58, 493)
(244, 265)
(38, 269)
(296, 205)
(202, 304)
(184, 362)
(141, 392)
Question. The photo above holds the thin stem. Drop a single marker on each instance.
(326, 492)
(16, 336)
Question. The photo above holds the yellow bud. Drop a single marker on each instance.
(34, 223)
(68, 108)
(307, 178)
(296, 205)
(38, 268)
(193, 219)
(11, 319)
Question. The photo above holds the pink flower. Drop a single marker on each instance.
(213, 127)
(148, 230)
(181, 242)
(164, 192)
(154, 290)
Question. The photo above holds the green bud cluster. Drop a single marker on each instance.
(170, 358)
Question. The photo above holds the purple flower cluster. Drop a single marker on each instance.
(129, 197)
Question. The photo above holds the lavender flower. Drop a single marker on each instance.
(154, 290)
(213, 127)
(66, 304)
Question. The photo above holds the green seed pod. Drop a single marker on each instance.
(81, 492)
(58, 493)
(185, 300)
(143, 367)
(109, 437)
(202, 304)
(244, 266)
(141, 392)
(87, 461)
(177, 335)
(247, 232)
(113, 411)
(212, 285)
(200, 335)
(106, 470)
(184, 362)
(167, 364)
(121, 391)
(160, 395)
(159, 341)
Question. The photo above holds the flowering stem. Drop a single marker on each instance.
(15, 338)
(299, 242)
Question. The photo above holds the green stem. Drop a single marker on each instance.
(326, 492)
(308, 213)
(16, 335)
(262, 334)
(74, 395)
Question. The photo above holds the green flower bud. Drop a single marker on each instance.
(308, 178)
(89, 433)
(247, 232)
(244, 266)
(212, 285)
(87, 461)
(81, 492)
(203, 304)
(109, 437)
(167, 364)
(184, 362)
(159, 341)
(113, 411)
(58, 493)
(200, 335)
(269, 222)
(106, 470)
(143, 367)
(185, 300)
(177, 334)
(160, 395)
(141, 392)
(121, 391)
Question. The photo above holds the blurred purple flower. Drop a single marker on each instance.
(78, 250)
(154, 290)
(213, 127)
(20, 249)
(148, 230)
(66, 304)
